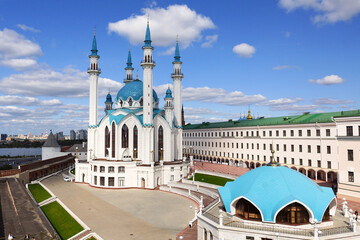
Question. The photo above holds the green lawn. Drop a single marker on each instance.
(38, 192)
(211, 179)
(63, 222)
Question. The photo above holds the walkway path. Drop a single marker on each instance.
(220, 168)
(125, 214)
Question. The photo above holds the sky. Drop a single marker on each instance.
(278, 57)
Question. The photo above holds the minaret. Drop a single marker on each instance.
(129, 69)
(177, 77)
(108, 103)
(94, 72)
(147, 64)
(169, 106)
(182, 116)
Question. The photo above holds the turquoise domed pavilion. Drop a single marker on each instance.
(278, 194)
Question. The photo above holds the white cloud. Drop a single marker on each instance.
(19, 64)
(209, 40)
(282, 101)
(201, 111)
(331, 101)
(14, 45)
(47, 82)
(244, 50)
(26, 101)
(287, 34)
(294, 107)
(169, 51)
(27, 28)
(328, 80)
(283, 67)
(165, 24)
(327, 11)
(219, 95)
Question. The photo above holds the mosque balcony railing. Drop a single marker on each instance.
(269, 228)
(335, 230)
(177, 74)
(142, 61)
(89, 69)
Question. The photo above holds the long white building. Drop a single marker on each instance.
(323, 146)
(136, 143)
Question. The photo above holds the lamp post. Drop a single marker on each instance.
(135, 154)
(191, 157)
(161, 153)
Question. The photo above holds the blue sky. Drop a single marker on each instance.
(280, 57)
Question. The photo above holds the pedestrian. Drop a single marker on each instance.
(27, 237)
(356, 215)
(10, 237)
(202, 164)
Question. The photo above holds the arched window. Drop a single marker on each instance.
(121, 103)
(141, 102)
(135, 140)
(145, 58)
(107, 141)
(113, 140)
(130, 102)
(294, 213)
(246, 210)
(161, 143)
(125, 136)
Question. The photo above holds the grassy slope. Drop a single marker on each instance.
(63, 222)
(38, 192)
(211, 179)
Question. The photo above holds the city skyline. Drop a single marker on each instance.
(280, 57)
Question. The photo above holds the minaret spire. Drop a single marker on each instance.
(129, 69)
(177, 51)
(147, 35)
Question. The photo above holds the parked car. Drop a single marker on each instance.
(67, 179)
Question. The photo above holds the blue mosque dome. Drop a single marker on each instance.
(133, 89)
(271, 188)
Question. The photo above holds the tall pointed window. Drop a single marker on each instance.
(107, 141)
(113, 140)
(125, 136)
(135, 141)
(160, 142)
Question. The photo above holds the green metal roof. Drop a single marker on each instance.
(305, 118)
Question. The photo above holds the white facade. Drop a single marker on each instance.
(319, 150)
(133, 145)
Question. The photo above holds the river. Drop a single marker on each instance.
(20, 151)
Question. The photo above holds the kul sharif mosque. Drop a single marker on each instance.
(137, 143)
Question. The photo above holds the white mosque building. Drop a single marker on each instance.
(136, 144)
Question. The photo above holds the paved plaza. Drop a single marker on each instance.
(127, 213)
